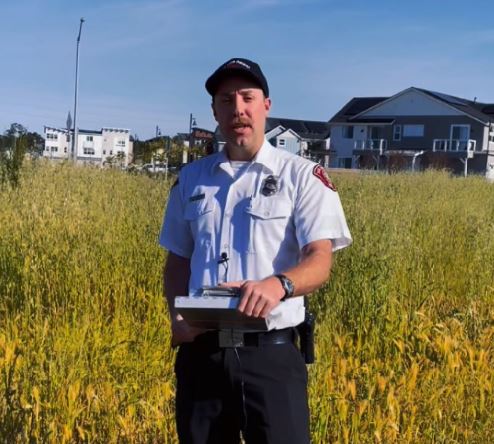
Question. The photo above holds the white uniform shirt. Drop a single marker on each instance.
(212, 211)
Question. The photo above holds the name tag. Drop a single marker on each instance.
(197, 197)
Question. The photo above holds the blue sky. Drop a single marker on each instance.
(144, 63)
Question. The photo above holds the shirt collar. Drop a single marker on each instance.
(265, 157)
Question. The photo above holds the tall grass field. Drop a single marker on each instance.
(405, 327)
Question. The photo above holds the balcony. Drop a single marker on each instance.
(375, 145)
(455, 146)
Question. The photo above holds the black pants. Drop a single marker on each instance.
(259, 390)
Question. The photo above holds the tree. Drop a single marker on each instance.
(13, 148)
(16, 129)
(34, 142)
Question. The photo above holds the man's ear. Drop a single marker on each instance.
(267, 104)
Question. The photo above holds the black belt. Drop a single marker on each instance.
(235, 338)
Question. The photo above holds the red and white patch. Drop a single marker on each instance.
(321, 174)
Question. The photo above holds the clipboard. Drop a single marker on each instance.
(216, 308)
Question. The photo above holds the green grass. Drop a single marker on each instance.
(405, 326)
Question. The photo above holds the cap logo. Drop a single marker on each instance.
(239, 62)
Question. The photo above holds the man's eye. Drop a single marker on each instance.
(248, 98)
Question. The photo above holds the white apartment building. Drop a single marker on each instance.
(92, 146)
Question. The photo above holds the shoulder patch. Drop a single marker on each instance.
(321, 174)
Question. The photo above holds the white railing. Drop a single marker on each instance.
(371, 144)
(454, 145)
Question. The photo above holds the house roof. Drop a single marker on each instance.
(306, 129)
(481, 111)
(349, 113)
(86, 131)
(354, 107)
(285, 131)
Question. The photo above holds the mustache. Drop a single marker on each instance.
(241, 121)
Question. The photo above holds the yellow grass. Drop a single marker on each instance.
(405, 327)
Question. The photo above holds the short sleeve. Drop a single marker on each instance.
(175, 235)
(318, 213)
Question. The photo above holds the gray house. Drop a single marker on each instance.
(306, 138)
(414, 129)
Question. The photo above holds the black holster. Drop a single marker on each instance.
(306, 336)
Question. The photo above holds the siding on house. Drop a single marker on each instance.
(411, 103)
(288, 141)
(345, 146)
(436, 127)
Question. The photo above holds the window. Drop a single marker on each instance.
(104, 152)
(111, 152)
(65, 150)
(51, 136)
(397, 133)
(348, 132)
(281, 142)
(121, 153)
(413, 130)
(120, 142)
(89, 138)
(89, 151)
(54, 149)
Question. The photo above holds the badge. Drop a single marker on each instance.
(321, 174)
(270, 185)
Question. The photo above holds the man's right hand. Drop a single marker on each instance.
(183, 332)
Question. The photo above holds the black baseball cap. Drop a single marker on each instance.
(238, 67)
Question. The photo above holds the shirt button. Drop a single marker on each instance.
(266, 213)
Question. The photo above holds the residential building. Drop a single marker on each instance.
(414, 129)
(306, 138)
(107, 145)
(201, 137)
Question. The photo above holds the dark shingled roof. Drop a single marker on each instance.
(481, 111)
(86, 131)
(354, 107)
(475, 109)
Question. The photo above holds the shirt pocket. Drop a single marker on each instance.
(269, 220)
(200, 216)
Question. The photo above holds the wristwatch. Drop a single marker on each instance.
(287, 285)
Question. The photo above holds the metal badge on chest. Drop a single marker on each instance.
(270, 185)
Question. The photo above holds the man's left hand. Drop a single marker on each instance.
(258, 298)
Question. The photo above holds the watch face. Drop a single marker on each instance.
(287, 285)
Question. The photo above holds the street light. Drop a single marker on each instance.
(192, 123)
(74, 135)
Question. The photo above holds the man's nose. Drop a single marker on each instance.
(238, 105)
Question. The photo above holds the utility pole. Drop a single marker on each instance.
(73, 152)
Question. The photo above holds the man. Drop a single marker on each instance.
(264, 221)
